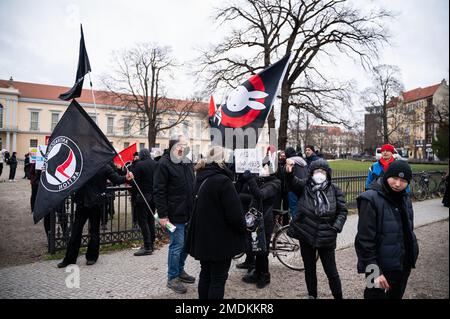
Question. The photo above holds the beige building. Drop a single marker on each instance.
(30, 111)
(412, 119)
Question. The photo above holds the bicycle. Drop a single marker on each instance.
(286, 249)
(422, 186)
(442, 185)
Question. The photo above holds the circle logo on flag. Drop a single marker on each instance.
(62, 166)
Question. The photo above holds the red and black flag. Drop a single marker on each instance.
(83, 68)
(76, 151)
(249, 105)
(126, 156)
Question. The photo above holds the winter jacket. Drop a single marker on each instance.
(311, 158)
(380, 237)
(143, 175)
(216, 229)
(375, 172)
(172, 189)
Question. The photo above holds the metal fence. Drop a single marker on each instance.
(118, 223)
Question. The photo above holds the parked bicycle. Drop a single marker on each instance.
(423, 186)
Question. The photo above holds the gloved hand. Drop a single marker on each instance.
(247, 175)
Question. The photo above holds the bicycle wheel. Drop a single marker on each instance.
(287, 250)
(419, 189)
(441, 189)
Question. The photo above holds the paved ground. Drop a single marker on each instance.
(121, 275)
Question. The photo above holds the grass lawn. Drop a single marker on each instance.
(349, 165)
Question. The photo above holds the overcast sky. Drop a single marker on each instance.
(39, 39)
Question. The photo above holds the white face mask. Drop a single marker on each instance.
(319, 177)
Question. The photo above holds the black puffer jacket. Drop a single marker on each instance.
(217, 227)
(143, 171)
(381, 237)
(317, 231)
(172, 187)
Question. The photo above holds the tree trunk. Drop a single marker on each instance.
(284, 117)
(151, 136)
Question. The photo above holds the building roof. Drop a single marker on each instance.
(331, 130)
(51, 92)
(419, 93)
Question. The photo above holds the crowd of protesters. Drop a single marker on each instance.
(208, 204)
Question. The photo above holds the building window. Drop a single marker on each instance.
(33, 143)
(1, 115)
(126, 144)
(141, 146)
(126, 126)
(110, 125)
(34, 121)
(198, 130)
(55, 120)
(93, 116)
(156, 145)
(142, 126)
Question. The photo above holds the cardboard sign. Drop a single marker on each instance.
(40, 156)
(33, 152)
(247, 159)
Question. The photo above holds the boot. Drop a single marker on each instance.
(251, 277)
(263, 280)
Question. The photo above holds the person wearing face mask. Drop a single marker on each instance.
(300, 170)
(321, 215)
(263, 190)
(173, 184)
(385, 243)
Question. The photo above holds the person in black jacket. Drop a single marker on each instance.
(263, 190)
(217, 227)
(26, 166)
(385, 244)
(143, 176)
(89, 200)
(311, 154)
(12, 161)
(172, 187)
(321, 216)
(300, 170)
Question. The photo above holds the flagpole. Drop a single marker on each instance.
(93, 97)
(169, 225)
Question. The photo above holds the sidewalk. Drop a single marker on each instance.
(121, 275)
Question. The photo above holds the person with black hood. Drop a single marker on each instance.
(385, 244)
(321, 215)
(263, 192)
(172, 189)
(143, 176)
(300, 170)
(12, 161)
(217, 227)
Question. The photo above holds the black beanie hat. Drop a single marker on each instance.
(400, 169)
(290, 152)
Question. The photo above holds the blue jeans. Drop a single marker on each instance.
(177, 256)
(293, 199)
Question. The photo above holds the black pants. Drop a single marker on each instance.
(1, 169)
(397, 280)
(82, 214)
(262, 260)
(12, 171)
(213, 276)
(146, 222)
(328, 258)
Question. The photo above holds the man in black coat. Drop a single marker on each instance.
(311, 154)
(12, 161)
(89, 200)
(385, 244)
(173, 187)
(143, 176)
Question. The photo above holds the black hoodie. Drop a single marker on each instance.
(217, 227)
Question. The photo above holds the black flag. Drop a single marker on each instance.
(76, 150)
(249, 105)
(83, 68)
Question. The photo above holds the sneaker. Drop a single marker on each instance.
(177, 286)
(250, 278)
(143, 252)
(184, 277)
(62, 264)
(90, 262)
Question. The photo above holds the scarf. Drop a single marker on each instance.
(320, 200)
(385, 163)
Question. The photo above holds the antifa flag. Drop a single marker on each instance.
(248, 105)
(83, 68)
(77, 149)
(127, 155)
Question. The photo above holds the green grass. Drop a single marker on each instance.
(349, 165)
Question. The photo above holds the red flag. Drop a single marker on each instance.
(127, 155)
(212, 107)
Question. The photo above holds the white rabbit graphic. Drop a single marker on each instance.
(239, 99)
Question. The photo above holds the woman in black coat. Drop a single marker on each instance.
(216, 230)
(321, 214)
(264, 190)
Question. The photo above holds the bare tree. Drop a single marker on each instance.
(138, 85)
(382, 96)
(308, 29)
